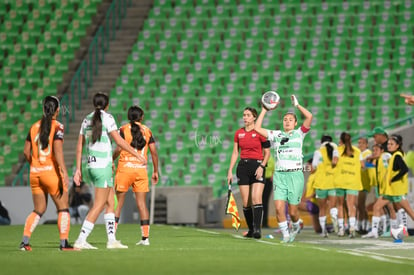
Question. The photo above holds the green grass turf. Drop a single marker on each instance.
(189, 250)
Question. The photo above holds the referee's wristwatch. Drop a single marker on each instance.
(261, 165)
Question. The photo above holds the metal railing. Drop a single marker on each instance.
(88, 68)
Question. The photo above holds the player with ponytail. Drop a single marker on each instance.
(324, 162)
(96, 132)
(348, 182)
(132, 172)
(43, 149)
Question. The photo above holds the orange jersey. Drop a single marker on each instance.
(44, 160)
(44, 173)
(126, 160)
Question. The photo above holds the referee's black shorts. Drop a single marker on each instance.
(246, 170)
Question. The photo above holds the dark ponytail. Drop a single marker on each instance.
(329, 147)
(50, 106)
(135, 114)
(100, 102)
(346, 140)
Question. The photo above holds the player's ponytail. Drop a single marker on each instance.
(100, 102)
(329, 148)
(346, 140)
(50, 106)
(136, 114)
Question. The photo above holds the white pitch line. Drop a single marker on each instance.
(383, 255)
(208, 231)
(354, 252)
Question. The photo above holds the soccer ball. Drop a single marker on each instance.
(270, 100)
(399, 233)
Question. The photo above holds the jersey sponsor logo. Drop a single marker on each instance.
(134, 165)
(126, 158)
(41, 169)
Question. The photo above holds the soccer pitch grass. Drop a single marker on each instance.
(190, 250)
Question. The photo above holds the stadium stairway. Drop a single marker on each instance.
(69, 60)
(115, 58)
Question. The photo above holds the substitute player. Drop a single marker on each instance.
(43, 149)
(368, 180)
(132, 172)
(348, 183)
(288, 178)
(395, 185)
(324, 162)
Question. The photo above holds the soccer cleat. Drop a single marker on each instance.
(248, 234)
(115, 244)
(143, 242)
(257, 234)
(83, 245)
(341, 232)
(285, 239)
(295, 231)
(25, 247)
(386, 234)
(370, 235)
(67, 247)
(324, 234)
(351, 232)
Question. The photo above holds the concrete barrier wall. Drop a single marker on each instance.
(18, 201)
(185, 205)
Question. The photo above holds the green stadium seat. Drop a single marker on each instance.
(339, 57)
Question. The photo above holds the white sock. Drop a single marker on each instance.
(384, 223)
(375, 224)
(402, 217)
(352, 221)
(110, 226)
(86, 229)
(322, 222)
(341, 223)
(284, 228)
(334, 213)
(296, 225)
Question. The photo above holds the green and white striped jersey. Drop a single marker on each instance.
(99, 154)
(287, 148)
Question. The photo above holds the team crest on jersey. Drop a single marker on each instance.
(280, 135)
(253, 135)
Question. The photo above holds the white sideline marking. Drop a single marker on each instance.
(355, 252)
(383, 255)
(208, 231)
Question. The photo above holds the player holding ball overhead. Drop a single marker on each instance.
(288, 178)
(254, 154)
